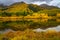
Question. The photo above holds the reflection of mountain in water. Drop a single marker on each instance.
(23, 24)
(57, 28)
(53, 28)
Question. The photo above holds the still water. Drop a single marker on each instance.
(57, 28)
(35, 24)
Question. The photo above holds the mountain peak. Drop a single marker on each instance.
(48, 6)
(17, 3)
(44, 5)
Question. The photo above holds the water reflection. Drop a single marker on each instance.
(34, 23)
(57, 28)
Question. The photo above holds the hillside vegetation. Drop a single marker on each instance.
(21, 16)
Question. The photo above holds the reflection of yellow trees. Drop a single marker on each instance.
(37, 20)
(58, 20)
(44, 20)
(40, 20)
(10, 18)
(52, 17)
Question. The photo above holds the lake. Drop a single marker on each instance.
(35, 24)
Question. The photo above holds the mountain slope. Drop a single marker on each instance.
(16, 7)
(21, 7)
(48, 7)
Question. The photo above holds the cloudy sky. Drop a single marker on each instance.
(49, 2)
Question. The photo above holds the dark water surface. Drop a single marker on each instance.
(35, 24)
